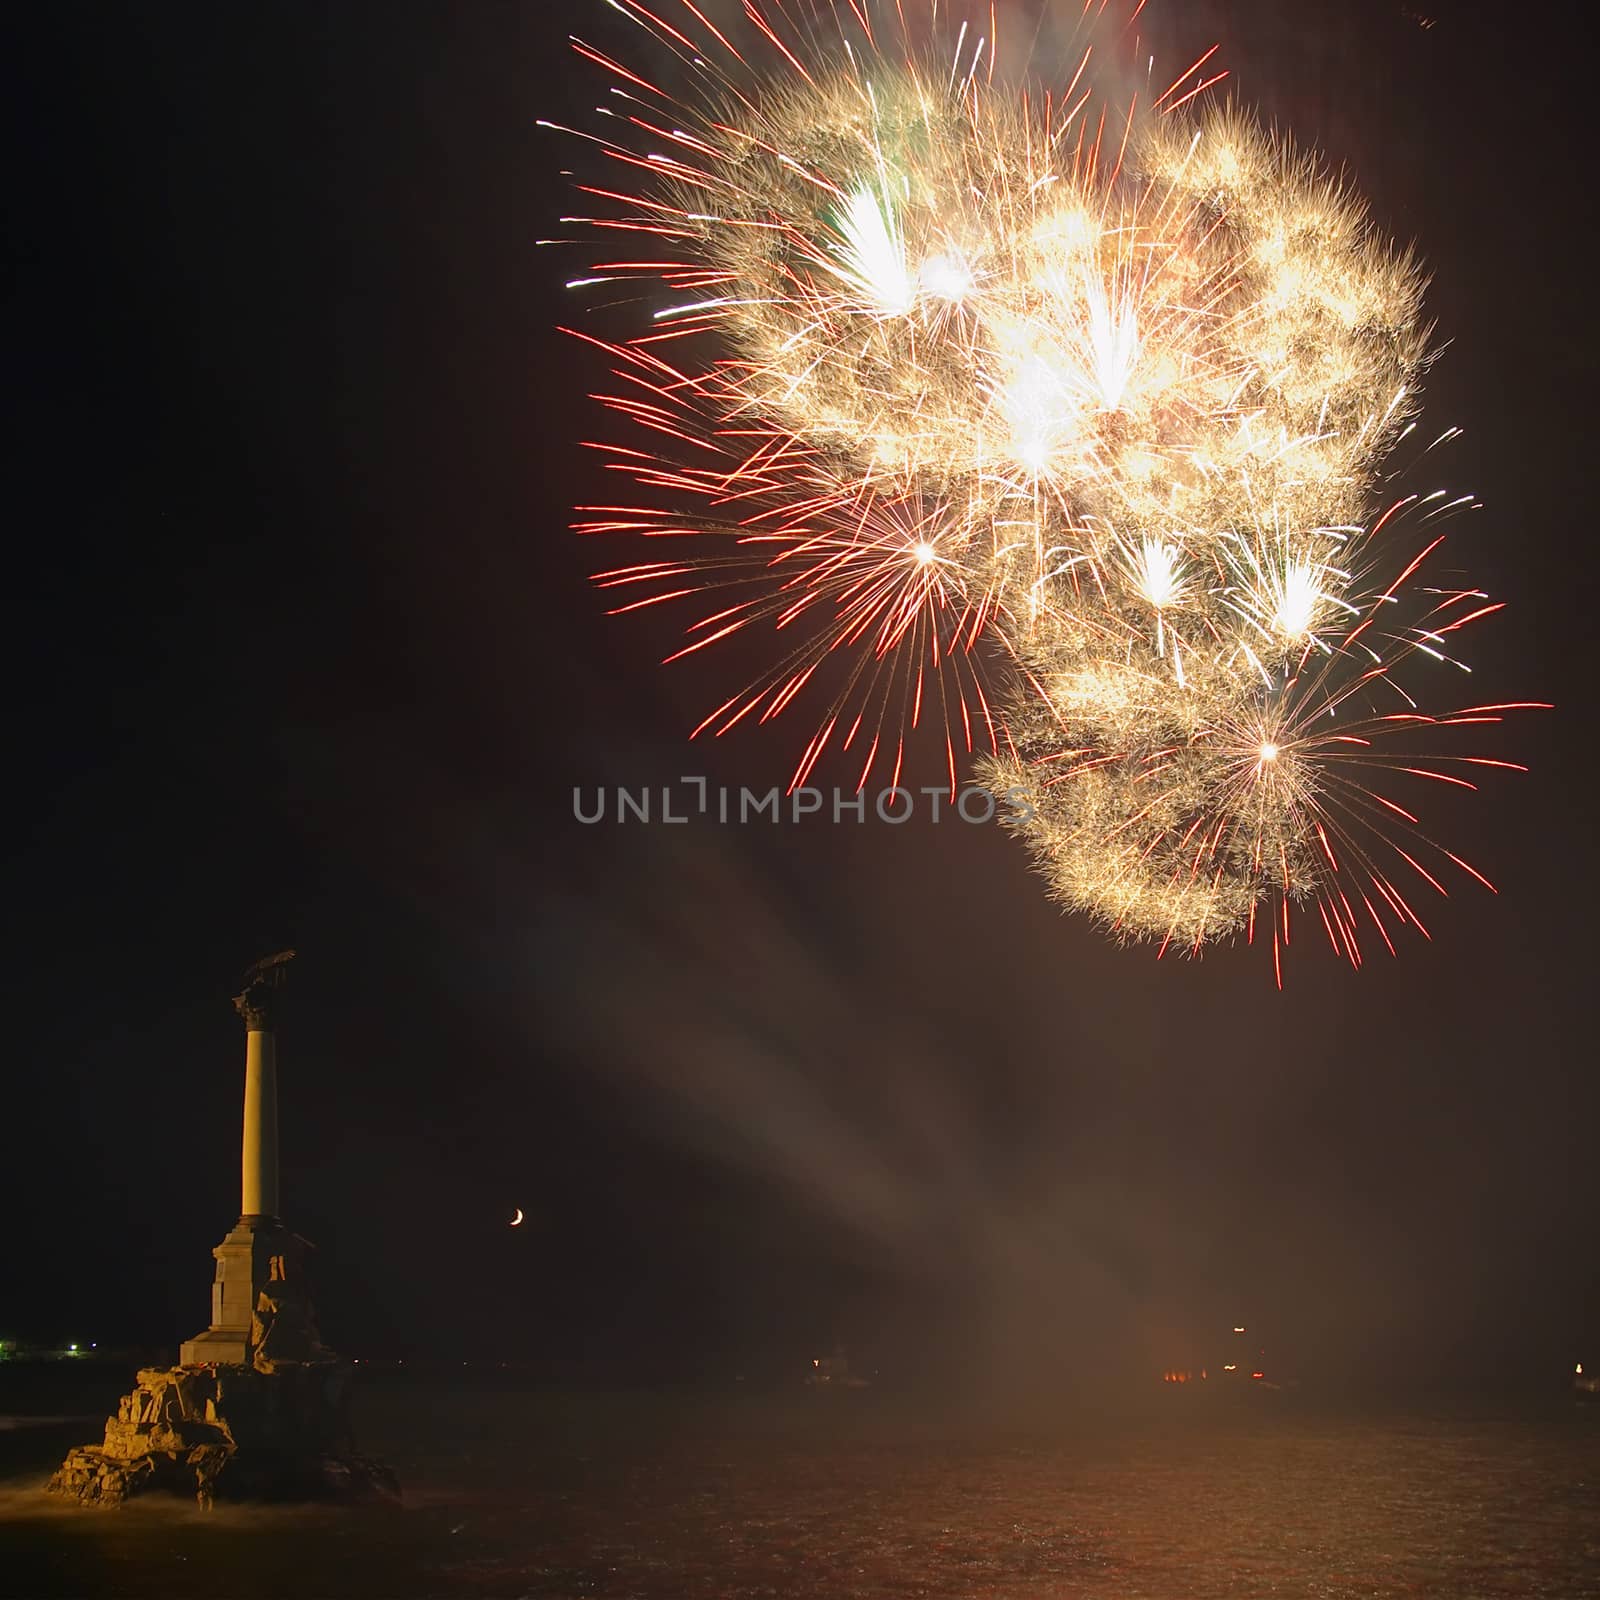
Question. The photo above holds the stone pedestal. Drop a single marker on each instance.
(260, 1269)
(242, 1268)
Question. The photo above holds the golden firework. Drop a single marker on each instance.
(1091, 394)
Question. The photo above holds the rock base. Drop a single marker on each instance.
(231, 1433)
(93, 1478)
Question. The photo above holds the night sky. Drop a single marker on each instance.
(301, 653)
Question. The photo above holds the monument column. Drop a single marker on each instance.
(257, 1406)
(259, 1156)
(245, 1259)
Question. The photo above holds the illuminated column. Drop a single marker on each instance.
(259, 1156)
(245, 1258)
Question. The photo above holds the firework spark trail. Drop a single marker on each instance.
(940, 382)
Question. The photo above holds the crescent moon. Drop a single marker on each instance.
(516, 1221)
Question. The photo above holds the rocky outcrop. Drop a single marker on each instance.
(272, 1430)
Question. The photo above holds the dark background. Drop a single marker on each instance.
(300, 652)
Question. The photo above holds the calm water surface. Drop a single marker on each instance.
(512, 1494)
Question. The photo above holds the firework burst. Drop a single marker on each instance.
(945, 382)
